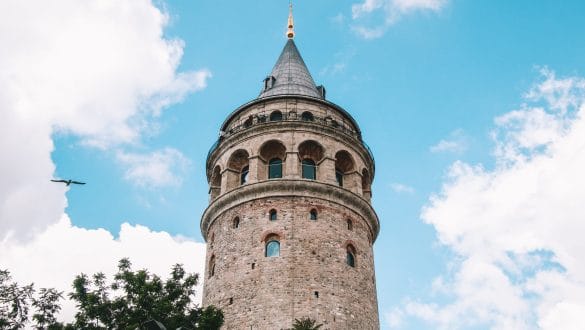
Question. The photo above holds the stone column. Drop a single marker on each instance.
(326, 170)
(292, 165)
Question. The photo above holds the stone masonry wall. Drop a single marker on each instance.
(310, 278)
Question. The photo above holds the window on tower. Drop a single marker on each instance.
(313, 214)
(272, 215)
(350, 256)
(212, 266)
(344, 167)
(339, 177)
(309, 169)
(236, 223)
(275, 168)
(307, 116)
(349, 224)
(244, 174)
(276, 116)
(272, 247)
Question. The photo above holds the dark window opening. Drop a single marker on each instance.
(309, 169)
(273, 215)
(253, 265)
(275, 168)
(350, 257)
(236, 223)
(231, 301)
(307, 116)
(244, 175)
(349, 224)
(248, 122)
(276, 116)
(313, 214)
(339, 177)
(316, 294)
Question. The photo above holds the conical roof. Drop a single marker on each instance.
(290, 75)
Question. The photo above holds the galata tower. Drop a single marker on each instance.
(289, 226)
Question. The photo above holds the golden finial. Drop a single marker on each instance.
(291, 30)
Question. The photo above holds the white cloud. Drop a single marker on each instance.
(517, 230)
(457, 142)
(99, 69)
(55, 257)
(400, 188)
(392, 11)
(155, 170)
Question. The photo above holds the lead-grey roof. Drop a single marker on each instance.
(291, 75)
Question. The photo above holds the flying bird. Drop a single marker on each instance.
(68, 182)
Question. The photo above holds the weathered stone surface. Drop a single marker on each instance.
(311, 276)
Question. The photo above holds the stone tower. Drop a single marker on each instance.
(289, 225)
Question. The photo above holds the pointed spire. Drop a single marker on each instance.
(290, 75)
(291, 22)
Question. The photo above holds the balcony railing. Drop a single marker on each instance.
(264, 120)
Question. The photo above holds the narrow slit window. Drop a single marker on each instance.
(313, 215)
(273, 215)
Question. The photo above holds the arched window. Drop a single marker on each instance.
(244, 174)
(313, 214)
(339, 177)
(350, 256)
(236, 223)
(238, 164)
(309, 169)
(349, 224)
(276, 116)
(272, 248)
(248, 122)
(307, 116)
(273, 215)
(212, 266)
(344, 165)
(275, 168)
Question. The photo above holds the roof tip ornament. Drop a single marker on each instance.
(291, 31)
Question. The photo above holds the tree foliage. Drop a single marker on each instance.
(131, 300)
(306, 324)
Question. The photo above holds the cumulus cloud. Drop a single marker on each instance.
(391, 10)
(457, 142)
(98, 69)
(54, 257)
(516, 230)
(155, 170)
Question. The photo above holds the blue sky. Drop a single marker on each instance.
(459, 100)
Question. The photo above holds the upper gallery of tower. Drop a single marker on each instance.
(290, 107)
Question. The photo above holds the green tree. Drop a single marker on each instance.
(135, 297)
(14, 302)
(306, 324)
(47, 306)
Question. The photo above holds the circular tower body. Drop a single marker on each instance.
(290, 226)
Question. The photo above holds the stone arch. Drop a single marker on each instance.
(215, 183)
(307, 116)
(238, 161)
(366, 184)
(276, 116)
(311, 154)
(345, 169)
(270, 151)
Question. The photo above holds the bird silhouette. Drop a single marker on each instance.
(68, 182)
